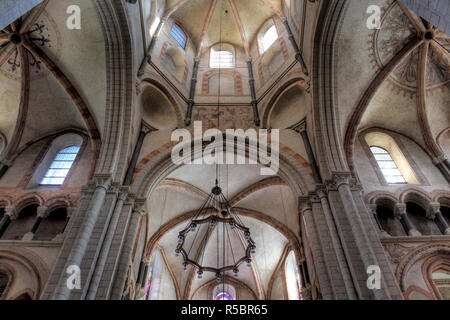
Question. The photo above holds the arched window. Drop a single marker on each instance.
(3, 283)
(293, 280)
(269, 37)
(178, 34)
(222, 56)
(60, 167)
(387, 166)
(223, 296)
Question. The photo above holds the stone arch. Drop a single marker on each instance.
(382, 197)
(35, 266)
(268, 108)
(417, 196)
(28, 199)
(293, 169)
(120, 78)
(325, 115)
(165, 94)
(423, 252)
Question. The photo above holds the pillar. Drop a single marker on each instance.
(42, 213)
(373, 209)
(100, 183)
(192, 92)
(147, 56)
(301, 128)
(145, 129)
(251, 82)
(10, 214)
(401, 214)
(434, 213)
(298, 55)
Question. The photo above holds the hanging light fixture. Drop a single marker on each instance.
(233, 245)
(216, 220)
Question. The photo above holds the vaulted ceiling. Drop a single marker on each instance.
(51, 78)
(266, 205)
(203, 19)
(396, 77)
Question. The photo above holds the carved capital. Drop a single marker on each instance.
(139, 207)
(123, 193)
(433, 209)
(304, 204)
(11, 211)
(400, 209)
(339, 179)
(42, 212)
(443, 157)
(321, 191)
(70, 211)
(102, 181)
(300, 126)
(372, 208)
(146, 128)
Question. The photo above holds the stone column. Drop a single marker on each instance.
(301, 128)
(148, 56)
(188, 119)
(373, 209)
(100, 183)
(42, 213)
(60, 236)
(298, 55)
(10, 214)
(434, 213)
(4, 166)
(251, 82)
(442, 164)
(401, 214)
(145, 129)
(105, 250)
(122, 258)
(141, 290)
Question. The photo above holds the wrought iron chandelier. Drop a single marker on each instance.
(216, 220)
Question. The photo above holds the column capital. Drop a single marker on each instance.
(300, 126)
(146, 128)
(101, 181)
(321, 191)
(70, 211)
(139, 207)
(440, 159)
(433, 209)
(11, 211)
(304, 204)
(42, 212)
(339, 179)
(400, 209)
(372, 207)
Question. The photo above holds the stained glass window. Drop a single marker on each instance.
(179, 35)
(60, 167)
(387, 165)
(223, 296)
